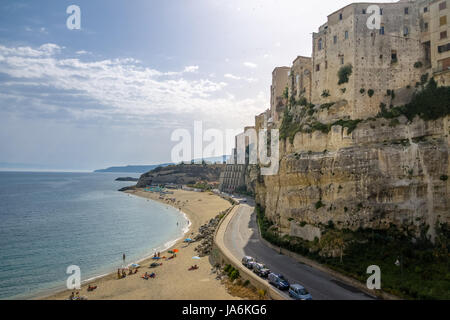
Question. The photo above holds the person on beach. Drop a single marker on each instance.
(118, 274)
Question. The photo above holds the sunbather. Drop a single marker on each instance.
(91, 288)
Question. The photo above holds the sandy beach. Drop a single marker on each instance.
(173, 280)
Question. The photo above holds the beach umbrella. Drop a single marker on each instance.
(135, 265)
(170, 251)
(176, 250)
(188, 240)
(196, 258)
(156, 258)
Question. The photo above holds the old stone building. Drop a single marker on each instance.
(300, 78)
(435, 36)
(280, 79)
(390, 58)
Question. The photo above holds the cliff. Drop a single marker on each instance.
(389, 170)
(182, 174)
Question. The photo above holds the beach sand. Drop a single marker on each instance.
(173, 280)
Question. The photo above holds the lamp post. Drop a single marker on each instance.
(279, 230)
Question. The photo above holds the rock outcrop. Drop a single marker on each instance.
(383, 173)
(182, 174)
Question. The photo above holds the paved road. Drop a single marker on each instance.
(242, 239)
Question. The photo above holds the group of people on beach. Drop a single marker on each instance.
(76, 296)
(147, 276)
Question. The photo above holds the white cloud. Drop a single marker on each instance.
(233, 77)
(118, 89)
(250, 65)
(230, 76)
(191, 68)
(81, 52)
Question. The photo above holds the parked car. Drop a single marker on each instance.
(278, 281)
(298, 292)
(248, 262)
(261, 270)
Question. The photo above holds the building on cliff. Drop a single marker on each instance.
(280, 77)
(372, 172)
(435, 36)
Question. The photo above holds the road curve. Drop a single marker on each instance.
(242, 239)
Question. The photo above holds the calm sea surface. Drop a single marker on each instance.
(49, 221)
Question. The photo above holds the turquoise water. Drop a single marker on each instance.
(50, 221)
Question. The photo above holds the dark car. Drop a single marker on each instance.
(278, 281)
(261, 270)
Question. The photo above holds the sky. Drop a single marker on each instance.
(113, 92)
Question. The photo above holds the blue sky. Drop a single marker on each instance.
(113, 92)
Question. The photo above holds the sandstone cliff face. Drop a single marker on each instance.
(181, 174)
(379, 174)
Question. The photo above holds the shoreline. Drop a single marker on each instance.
(194, 221)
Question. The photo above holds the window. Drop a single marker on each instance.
(381, 12)
(346, 34)
(326, 64)
(363, 11)
(405, 31)
(342, 59)
(425, 26)
(382, 30)
(335, 39)
(317, 67)
(444, 48)
(319, 44)
(340, 16)
(394, 57)
(406, 10)
(442, 5)
(443, 34)
(443, 20)
(425, 9)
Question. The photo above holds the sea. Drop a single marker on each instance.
(51, 221)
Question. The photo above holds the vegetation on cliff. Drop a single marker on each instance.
(431, 103)
(423, 272)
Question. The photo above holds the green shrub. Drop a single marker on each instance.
(319, 204)
(431, 103)
(318, 126)
(394, 122)
(234, 275)
(325, 93)
(327, 105)
(343, 90)
(424, 79)
(286, 93)
(418, 65)
(344, 73)
(302, 101)
(370, 93)
(362, 90)
(349, 124)
(444, 177)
